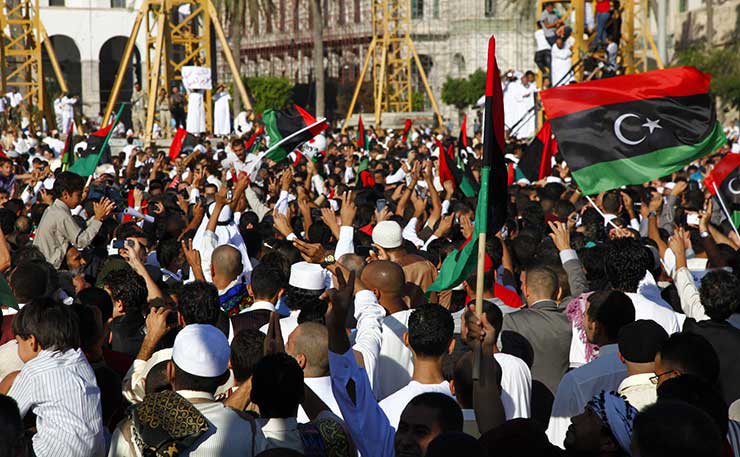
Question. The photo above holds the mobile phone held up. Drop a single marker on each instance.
(120, 244)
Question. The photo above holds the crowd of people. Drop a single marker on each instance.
(179, 306)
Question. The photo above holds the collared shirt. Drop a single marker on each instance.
(60, 388)
(639, 390)
(395, 365)
(228, 435)
(369, 426)
(287, 324)
(580, 385)
(394, 404)
(57, 230)
(321, 386)
(516, 386)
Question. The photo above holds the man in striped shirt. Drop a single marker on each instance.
(57, 383)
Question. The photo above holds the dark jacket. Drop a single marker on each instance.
(127, 334)
(725, 339)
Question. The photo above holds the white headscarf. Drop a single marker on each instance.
(227, 232)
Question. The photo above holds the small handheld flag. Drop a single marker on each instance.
(96, 147)
(536, 162)
(724, 183)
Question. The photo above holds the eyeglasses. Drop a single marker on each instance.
(656, 378)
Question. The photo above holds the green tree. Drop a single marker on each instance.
(270, 92)
(724, 66)
(464, 92)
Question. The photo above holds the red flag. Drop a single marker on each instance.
(176, 144)
(67, 154)
(464, 133)
(406, 128)
(361, 140)
(445, 174)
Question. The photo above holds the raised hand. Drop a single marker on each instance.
(560, 235)
(281, 223)
(103, 208)
(311, 252)
(348, 210)
(274, 339)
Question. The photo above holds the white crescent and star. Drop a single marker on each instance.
(731, 187)
(650, 124)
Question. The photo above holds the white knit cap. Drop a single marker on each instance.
(309, 276)
(201, 350)
(387, 235)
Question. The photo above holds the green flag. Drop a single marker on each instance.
(86, 165)
(6, 295)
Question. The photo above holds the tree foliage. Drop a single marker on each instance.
(464, 92)
(270, 92)
(724, 66)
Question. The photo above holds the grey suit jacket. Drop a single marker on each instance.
(541, 334)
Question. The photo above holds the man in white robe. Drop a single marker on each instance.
(196, 120)
(221, 112)
(68, 112)
(561, 63)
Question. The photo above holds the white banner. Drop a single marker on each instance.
(196, 77)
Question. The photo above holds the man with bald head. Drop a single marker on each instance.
(309, 345)
(395, 365)
(226, 270)
(540, 334)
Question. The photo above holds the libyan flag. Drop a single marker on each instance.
(633, 129)
(362, 141)
(490, 213)
(97, 149)
(724, 183)
(450, 169)
(182, 141)
(536, 162)
(289, 130)
(365, 177)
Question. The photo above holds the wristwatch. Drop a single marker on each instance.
(704, 234)
(328, 260)
(652, 214)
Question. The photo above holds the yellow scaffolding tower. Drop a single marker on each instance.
(21, 36)
(178, 34)
(391, 51)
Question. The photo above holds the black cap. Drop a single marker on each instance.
(639, 341)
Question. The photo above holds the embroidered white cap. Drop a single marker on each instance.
(201, 350)
(387, 235)
(309, 276)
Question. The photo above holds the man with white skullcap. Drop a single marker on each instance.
(419, 272)
(191, 421)
(306, 284)
(604, 428)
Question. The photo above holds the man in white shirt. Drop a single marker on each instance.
(626, 265)
(638, 344)
(516, 379)
(309, 345)
(200, 363)
(430, 337)
(606, 313)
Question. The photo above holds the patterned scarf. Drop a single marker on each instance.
(235, 299)
(166, 424)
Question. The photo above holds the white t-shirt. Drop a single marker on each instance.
(541, 41)
(516, 386)
(394, 405)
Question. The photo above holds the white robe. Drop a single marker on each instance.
(511, 106)
(68, 112)
(228, 233)
(525, 103)
(222, 115)
(561, 64)
(196, 121)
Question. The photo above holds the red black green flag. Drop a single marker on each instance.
(289, 130)
(68, 156)
(97, 149)
(536, 162)
(406, 128)
(490, 213)
(362, 141)
(724, 182)
(463, 140)
(364, 175)
(451, 169)
(182, 141)
(632, 129)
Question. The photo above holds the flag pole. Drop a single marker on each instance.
(598, 210)
(724, 208)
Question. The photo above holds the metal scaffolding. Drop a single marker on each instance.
(22, 35)
(391, 52)
(178, 33)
